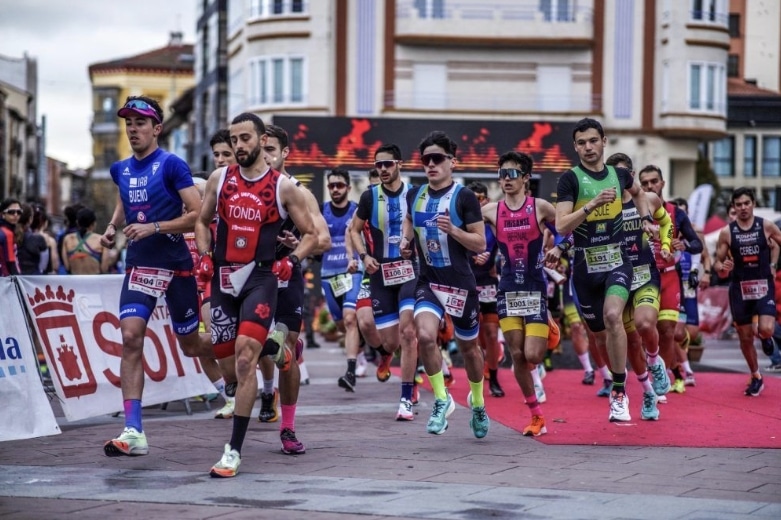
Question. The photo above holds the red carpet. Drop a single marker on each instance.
(714, 414)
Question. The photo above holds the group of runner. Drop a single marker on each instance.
(398, 264)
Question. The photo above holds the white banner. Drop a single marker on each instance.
(699, 204)
(76, 318)
(27, 410)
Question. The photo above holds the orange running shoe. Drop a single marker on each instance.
(536, 428)
(383, 369)
(554, 334)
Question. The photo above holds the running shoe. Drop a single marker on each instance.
(131, 442)
(536, 428)
(284, 356)
(588, 377)
(755, 387)
(541, 371)
(228, 465)
(299, 348)
(449, 379)
(226, 412)
(540, 392)
(649, 411)
(437, 422)
(619, 407)
(768, 346)
(689, 380)
(479, 423)
(660, 381)
(290, 444)
(495, 388)
(268, 407)
(347, 381)
(775, 367)
(405, 411)
(607, 386)
(548, 362)
(679, 387)
(383, 369)
(661, 399)
(360, 365)
(554, 334)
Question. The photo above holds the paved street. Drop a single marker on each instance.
(361, 463)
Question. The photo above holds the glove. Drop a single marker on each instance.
(283, 269)
(205, 269)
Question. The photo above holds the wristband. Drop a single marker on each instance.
(649, 218)
(157, 227)
(586, 210)
(294, 260)
(112, 225)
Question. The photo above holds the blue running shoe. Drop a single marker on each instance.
(649, 411)
(437, 422)
(607, 386)
(659, 379)
(479, 421)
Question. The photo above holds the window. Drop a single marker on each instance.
(723, 157)
(707, 88)
(235, 15)
(269, 8)
(771, 156)
(733, 66)
(108, 104)
(710, 11)
(236, 101)
(557, 10)
(430, 8)
(554, 88)
(429, 85)
(750, 156)
(277, 81)
(734, 25)
(770, 198)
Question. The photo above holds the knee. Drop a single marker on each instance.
(614, 318)
(350, 320)
(408, 335)
(427, 338)
(244, 360)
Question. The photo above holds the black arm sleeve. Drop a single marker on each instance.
(687, 232)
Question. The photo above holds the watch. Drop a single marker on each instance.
(294, 260)
(362, 256)
(586, 210)
(157, 227)
(649, 218)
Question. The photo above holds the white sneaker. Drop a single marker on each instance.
(228, 466)
(226, 412)
(541, 371)
(540, 391)
(131, 442)
(360, 365)
(405, 411)
(619, 408)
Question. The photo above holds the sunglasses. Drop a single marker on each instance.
(481, 197)
(16, 212)
(385, 164)
(437, 157)
(336, 185)
(510, 173)
(140, 106)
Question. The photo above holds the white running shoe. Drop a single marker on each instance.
(540, 391)
(228, 466)
(619, 407)
(226, 412)
(405, 411)
(131, 442)
(360, 365)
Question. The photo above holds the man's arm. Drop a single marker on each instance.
(295, 203)
(693, 242)
(117, 219)
(723, 264)
(203, 237)
(321, 226)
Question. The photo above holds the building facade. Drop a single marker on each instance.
(652, 71)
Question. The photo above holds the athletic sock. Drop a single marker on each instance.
(477, 393)
(240, 425)
(585, 362)
(268, 386)
(438, 385)
(351, 366)
(533, 404)
(288, 417)
(133, 414)
(643, 379)
(619, 382)
(406, 390)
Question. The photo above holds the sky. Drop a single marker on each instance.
(66, 37)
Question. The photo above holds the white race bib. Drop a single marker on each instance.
(523, 303)
(452, 299)
(150, 280)
(341, 284)
(753, 289)
(486, 293)
(601, 259)
(395, 273)
(641, 275)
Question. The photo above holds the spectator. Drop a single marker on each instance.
(83, 252)
(30, 245)
(10, 211)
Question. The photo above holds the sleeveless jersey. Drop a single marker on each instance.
(250, 217)
(335, 259)
(604, 226)
(439, 250)
(287, 225)
(149, 190)
(636, 242)
(521, 244)
(385, 212)
(661, 263)
(750, 251)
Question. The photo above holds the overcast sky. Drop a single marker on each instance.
(66, 37)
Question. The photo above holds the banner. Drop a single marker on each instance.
(699, 204)
(76, 319)
(714, 312)
(27, 412)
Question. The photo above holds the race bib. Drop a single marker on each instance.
(753, 289)
(523, 303)
(641, 275)
(226, 283)
(150, 280)
(395, 273)
(601, 259)
(452, 299)
(486, 293)
(341, 284)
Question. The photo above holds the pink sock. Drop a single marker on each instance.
(534, 406)
(288, 417)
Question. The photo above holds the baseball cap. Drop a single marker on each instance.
(139, 107)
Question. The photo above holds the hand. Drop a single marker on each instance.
(605, 196)
(443, 222)
(726, 266)
(481, 258)
(406, 248)
(666, 255)
(288, 239)
(138, 231)
(370, 264)
(705, 281)
(283, 269)
(678, 245)
(205, 269)
(651, 229)
(108, 239)
(552, 257)
(352, 266)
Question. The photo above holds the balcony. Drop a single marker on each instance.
(506, 23)
(105, 123)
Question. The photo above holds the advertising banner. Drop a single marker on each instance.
(76, 320)
(27, 412)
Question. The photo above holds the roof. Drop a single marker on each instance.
(739, 87)
(165, 59)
